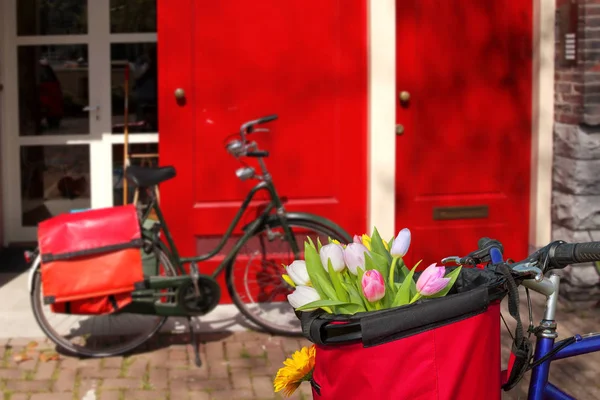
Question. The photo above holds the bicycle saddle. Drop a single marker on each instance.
(147, 177)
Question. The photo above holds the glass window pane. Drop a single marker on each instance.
(53, 90)
(51, 17)
(131, 16)
(140, 58)
(143, 154)
(54, 180)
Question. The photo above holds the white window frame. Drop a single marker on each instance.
(100, 138)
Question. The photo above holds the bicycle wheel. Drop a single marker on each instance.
(98, 335)
(254, 278)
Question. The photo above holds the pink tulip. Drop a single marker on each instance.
(357, 239)
(432, 280)
(373, 285)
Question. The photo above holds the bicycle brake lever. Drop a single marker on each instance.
(529, 268)
(458, 260)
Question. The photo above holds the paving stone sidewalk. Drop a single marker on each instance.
(242, 366)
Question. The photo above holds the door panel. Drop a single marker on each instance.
(467, 125)
(253, 60)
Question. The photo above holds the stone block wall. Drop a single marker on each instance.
(576, 165)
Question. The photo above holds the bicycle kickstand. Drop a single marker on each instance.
(195, 344)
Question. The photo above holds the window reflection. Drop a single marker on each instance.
(54, 180)
(131, 16)
(140, 58)
(53, 90)
(51, 17)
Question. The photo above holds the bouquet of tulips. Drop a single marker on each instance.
(366, 275)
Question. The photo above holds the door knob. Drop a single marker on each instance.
(404, 96)
(399, 129)
(179, 93)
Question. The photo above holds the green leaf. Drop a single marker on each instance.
(453, 275)
(319, 245)
(318, 276)
(403, 295)
(403, 272)
(349, 309)
(355, 297)
(321, 303)
(369, 263)
(341, 294)
(378, 247)
(388, 298)
(378, 262)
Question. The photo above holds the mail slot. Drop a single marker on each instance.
(464, 212)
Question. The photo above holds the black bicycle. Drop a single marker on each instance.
(253, 266)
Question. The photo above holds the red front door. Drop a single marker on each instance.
(464, 126)
(306, 62)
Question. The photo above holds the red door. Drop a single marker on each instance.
(306, 62)
(463, 142)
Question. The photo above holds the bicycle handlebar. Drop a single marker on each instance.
(561, 254)
(239, 148)
(555, 255)
(248, 127)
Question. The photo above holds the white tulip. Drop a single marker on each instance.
(298, 272)
(335, 253)
(303, 295)
(354, 256)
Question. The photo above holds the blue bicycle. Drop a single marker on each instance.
(534, 273)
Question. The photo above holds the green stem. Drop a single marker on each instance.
(415, 298)
(392, 268)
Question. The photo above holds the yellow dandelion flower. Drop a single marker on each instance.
(296, 370)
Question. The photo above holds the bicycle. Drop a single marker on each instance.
(531, 273)
(195, 294)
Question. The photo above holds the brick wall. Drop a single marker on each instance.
(576, 167)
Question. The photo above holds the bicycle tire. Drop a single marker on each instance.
(244, 307)
(65, 345)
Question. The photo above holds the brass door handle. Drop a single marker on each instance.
(399, 129)
(179, 94)
(404, 96)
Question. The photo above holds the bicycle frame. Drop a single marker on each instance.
(275, 203)
(540, 387)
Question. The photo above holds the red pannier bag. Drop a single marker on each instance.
(435, 349)
(91, 260)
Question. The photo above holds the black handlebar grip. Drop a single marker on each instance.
(266, 119)
(259, 153)
(564, 254)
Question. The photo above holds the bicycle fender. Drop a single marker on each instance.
(313, 219)
(32, 270)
